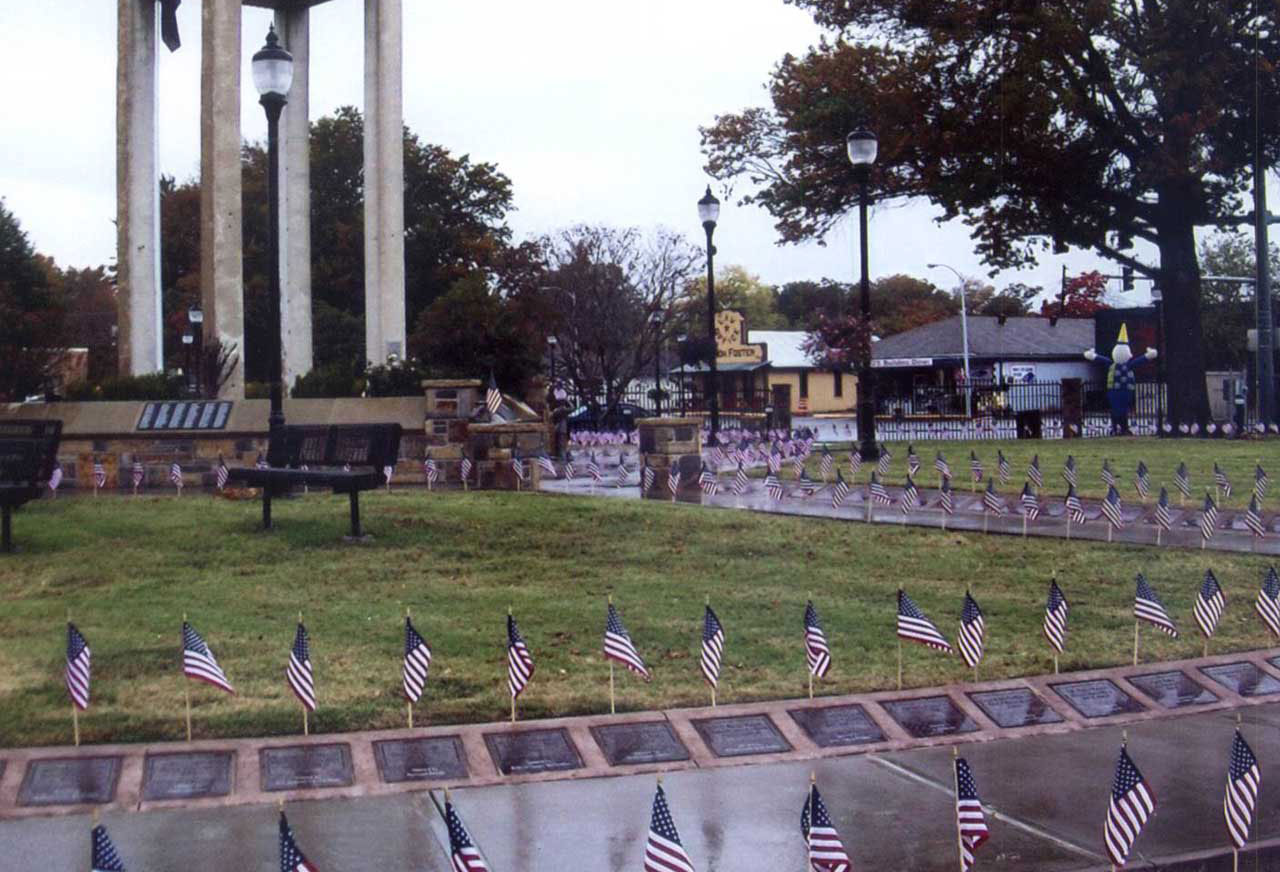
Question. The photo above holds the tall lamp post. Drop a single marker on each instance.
(964, 334)
(656, 320)
(272, 76)
(709, 214)
(680, 341)
(862, 147)
(187, 340)
(552, 342)
(195, 317)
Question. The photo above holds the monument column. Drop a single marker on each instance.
(221, 258)
(140, 340)
(383, 181)
(293, 26)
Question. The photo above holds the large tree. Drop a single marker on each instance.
(736, 289)
(1229, 307)
(31, 314)
(1079, 122)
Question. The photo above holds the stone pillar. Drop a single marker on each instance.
(384, 315)
(137, 190)
(221, 258)
(293, 27)
(668, 442)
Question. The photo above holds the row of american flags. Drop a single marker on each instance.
(200, 664)
(1131, 804)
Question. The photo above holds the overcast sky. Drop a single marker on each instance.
(591, 108)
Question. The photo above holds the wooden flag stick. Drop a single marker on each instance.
(810, 683)
(1135, 643)
(1055, 664)
(955, 784)
(869, 502)
(409, 704)
(1159, 530)
(985, 516)
(1110, 531)
(75, 723)
(1068, 523)
(1206, 646)
(306, 726)
(1024, 524)
(899, 663)
(612, 709)
(186, 693)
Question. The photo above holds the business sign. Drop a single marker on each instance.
(731, 340)
(901, 362)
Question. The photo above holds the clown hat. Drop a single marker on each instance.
(1123, 338)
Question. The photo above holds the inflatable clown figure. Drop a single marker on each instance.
(1121, 379)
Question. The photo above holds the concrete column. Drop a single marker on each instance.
(221, 258)
(383, 180)
(293, 26)
(137, 190)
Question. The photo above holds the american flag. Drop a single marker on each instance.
(519, 660)
(77, 672)
(946, 499)
(1108, 477)
(301, 680)
(291, 859)
(805, 486)
(826, 851)
(100, 474)
(673, 479)
(1181, 481)
(940, 464)
(569, 471)
(1132, 802)
(797, 465)
(432, 470)
(417, 660)
(1073, 506)
(975, 466)
(622, 475)
(712, 646)
(1253, 518)
(104, 857)
(878, 493)
(663, 852)
(618, 645)
(1220, 480)
(716, 456)
(1208, 517)
(1002, 466)
(464, 468)
(492, 397)
(1142, 480)
(222, 474)
(882, 465)
(1112, 509)
(517, 467)
(546, 464)
(138, 474)
(839, 491)
(647, 477)
(1268, 604)
(1243, 778)
(1069, 471)
(1056, 609)
(1260, 482)
(708, 482)
(387, 472)
(775, 460)
(740, 480)
(55, 478)
(991, 501)
(1148, 607)
(855, 463)
(1030, 505)
(1209, 604)
(913, 625)
(1034, 473)
(199, 663)
(463, 853)
(970, 821)
(817, 654)
(913, 461)
(824, 465)
(1162, 517)
(973, 631)
(773, 487)
(910, 497)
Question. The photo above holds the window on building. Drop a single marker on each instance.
(804, 384)
(837, 380)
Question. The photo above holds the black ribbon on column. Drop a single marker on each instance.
(169, 24)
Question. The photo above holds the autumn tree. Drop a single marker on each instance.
(1085, 123)
(1083, 296)
(901, 302)
(736, 289)
(31, 315)
(802, 303)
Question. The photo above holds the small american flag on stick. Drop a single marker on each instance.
(882, 465)
(1221, 481)
(673, 480)
(1108, 477)
(1112, 509)
(910, 498)
(1030, 505)
(712, 646)
(1132, 802)
(914, 626)
(663, 852)
(824, 465)
(1147, 606)
(298, 671)
(708, 482)
(104, 856)
(546, 464)
(826, 851)
(946, 499)
(855, 463)
(941, 465)
(1142, 480)
(1034, 473)
(971, 823)
(77, 672)
(1268, 602)
(222, 474)
(519, 660)
(175, 475)
(1069, 471)
(593, 468)
(463, 853)
(1162, 517)
(1073, 506)
(991, 501)
(973, 630)
(618, 645)
(1253, 519)
(431, 470)
(291, 859)
(1208, 519)
(647, 477)
(417, 662)
(773, 487)
(1243, 779)
(1056, 609)
(1181, 480)
(464, 470)
(492, 397)
(100, 475)
(913, 461)
(817, 654)
(1260, 482)
(740, 480)
(198, 662)
(975, 467)
(878, 492)
(1209, 604)
(839, 491)
(138, 476)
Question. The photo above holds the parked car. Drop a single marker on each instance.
(620, 417)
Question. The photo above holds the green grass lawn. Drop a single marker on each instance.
(127, 569)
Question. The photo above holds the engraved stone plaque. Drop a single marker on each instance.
(652, 742)
(520, 753)
(302, 766)
(420, 759)
(186, 775)
(836, 725)
(929, 716)
(70, 781)
(1244, 678)
(1016, 707)
(1098, 698)
(740, 736)
(1172, 689)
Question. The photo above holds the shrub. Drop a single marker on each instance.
(153, 386)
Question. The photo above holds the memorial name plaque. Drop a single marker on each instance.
(1244, 678)
(740, 736)
(1275, 661)
(295, 767)
(202, 415)
(438, 757)
(1098, 698)
(186, 775)
(1172, 689)
(1016, 707)
(628, 744)
(929, 716)
(836, 725)
(526, 751)
(70, 781)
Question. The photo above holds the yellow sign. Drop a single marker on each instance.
(731, 340)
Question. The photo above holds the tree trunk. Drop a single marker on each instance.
(1179, 279)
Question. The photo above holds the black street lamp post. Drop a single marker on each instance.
(862, 147)
(188, 340)
(680, 341)
(551, 353)
(272, 75)
(656, 320)
(195, 317)
(709, 214)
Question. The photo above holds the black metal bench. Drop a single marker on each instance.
(28, 452)
(348, 458)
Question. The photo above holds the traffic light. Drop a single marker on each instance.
(1126, 274)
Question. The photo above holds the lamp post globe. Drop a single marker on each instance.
(195, 317)
(552, 342)
(272, 76)
(709, 214)
(862, 147)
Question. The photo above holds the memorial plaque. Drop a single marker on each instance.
(296, 767)
(651, 742)
(1016, 707)
(435, 758)
(70, 781)
(1275, 661)
(837, 725)
(1098, 698)
(740, 736)
(526, 751)
(929, 716)
(1172, 689)
(1244, 678)
(186, 775)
